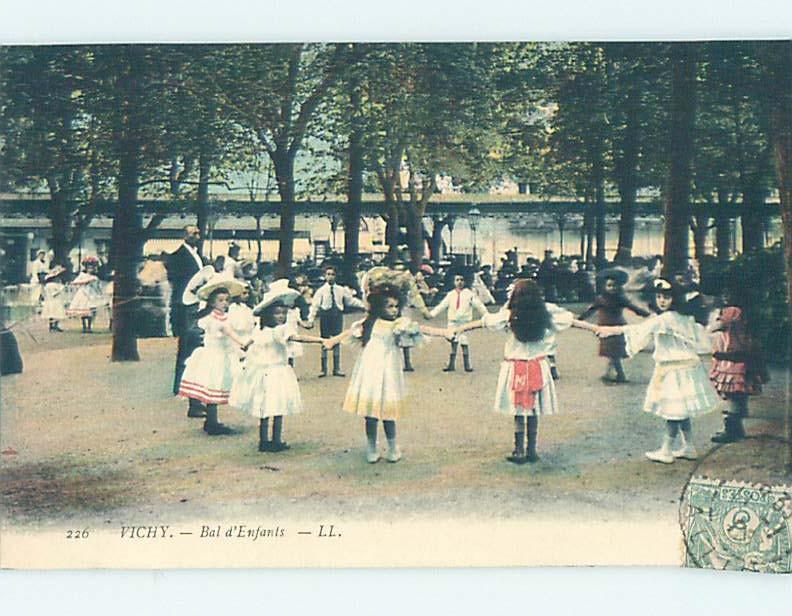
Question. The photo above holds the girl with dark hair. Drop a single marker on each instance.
(680, 388)
(525, 387)
(376, 390)
(609, 306)
(209, 371)
(267, 387)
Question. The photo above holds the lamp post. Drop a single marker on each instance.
(474, 215)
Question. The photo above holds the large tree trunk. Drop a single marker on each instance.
(392, 226)
(588, 226)
(284, 175)
(354, 187)
(722, 228)
(627, 177)
(436, 241)
(598, 176)
(752, 220)
(202, 205)
(126, 240)
(682, 122)
(60, 225)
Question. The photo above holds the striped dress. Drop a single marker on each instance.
(209, 371)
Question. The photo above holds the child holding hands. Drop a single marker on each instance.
(377, 390)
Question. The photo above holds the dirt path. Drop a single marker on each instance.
(83, 438)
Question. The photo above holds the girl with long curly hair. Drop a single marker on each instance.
(376, 390)
(525, 387)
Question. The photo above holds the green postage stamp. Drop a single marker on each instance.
(737, 526)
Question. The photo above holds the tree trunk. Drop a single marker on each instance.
(722, 228)
(627, 177)
(415, 236)
(354, 187)
(202, 205)
(700, 232)
(682, 123)
(598, 176)
(125, 255)
(60, 223)
(127, 222)
(284, 175)
(392, 226)
(436, 241)
(588, 225)
(752, 221)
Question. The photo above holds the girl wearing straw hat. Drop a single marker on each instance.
(54, 308)
(209, 371)
(267, 387)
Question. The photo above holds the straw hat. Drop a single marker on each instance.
(54, 273)
(617, 274)
(234, 286)
(279, 291)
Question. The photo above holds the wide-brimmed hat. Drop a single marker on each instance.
(617, 274)
(221, 281)
(54, 273)
(279, 291)
(663, 286)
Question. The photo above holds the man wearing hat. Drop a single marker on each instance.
(329, 302)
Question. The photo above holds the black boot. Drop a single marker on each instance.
(323, 373)
(264, 442)
(518, 455)
(553, 369)
(466, 358)
(533, 428)
(407, 363)
(451, 359)
(731, 431)
(277, 431)
(212, 426)
(195, 409)
(337, 361)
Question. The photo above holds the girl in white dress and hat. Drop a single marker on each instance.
(376, 390)
(209, 371)
(88, 295)
(525, 388)
(54, 307)
(267, 387)
(680, 388)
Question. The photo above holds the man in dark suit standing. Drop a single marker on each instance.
(182, 265)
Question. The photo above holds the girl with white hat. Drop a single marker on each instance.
(267, 387)
(209, 371)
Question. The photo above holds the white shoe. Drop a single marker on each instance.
(661, 455)
(688, 452)
(394, 454)
(372, 457)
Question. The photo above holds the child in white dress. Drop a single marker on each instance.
(240, 318)
(209, 371)
(267, 387)
(88, 295)
(54, 308)
(376, 390)
(460, 304)
(680, 388)
(525, 388)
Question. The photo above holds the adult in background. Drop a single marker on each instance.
(182, 265)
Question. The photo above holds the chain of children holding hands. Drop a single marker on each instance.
(249, 365)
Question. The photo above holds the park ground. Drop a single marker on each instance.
(90, 441)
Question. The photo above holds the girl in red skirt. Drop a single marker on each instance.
(737, 370)
(609, 306)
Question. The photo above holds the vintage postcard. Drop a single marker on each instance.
(396, 305)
